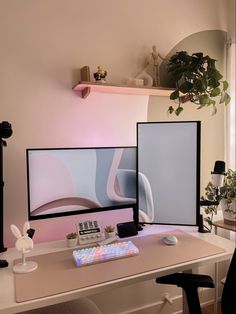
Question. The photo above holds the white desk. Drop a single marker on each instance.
(7, 289)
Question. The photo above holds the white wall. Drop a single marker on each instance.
(44, 43)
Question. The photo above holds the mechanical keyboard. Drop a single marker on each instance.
(103, 253)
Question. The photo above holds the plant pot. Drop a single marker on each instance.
(147, 79)
(110, 234)
(71, 242)
(185, 98)
(229, 218)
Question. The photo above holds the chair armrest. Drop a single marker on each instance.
(186, 279)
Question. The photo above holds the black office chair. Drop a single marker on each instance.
(228, 304)
(191, 282)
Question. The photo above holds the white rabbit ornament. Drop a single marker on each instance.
(24, 244)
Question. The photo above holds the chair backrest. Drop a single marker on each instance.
(228, 304)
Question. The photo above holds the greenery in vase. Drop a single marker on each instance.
(227, 193)
(197, 80)
(72, 235)
(109, 229)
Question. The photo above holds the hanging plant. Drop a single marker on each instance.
(197, 80)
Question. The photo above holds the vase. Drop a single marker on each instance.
(147, 79)
(110, 234)
(102, 81)
(71, 242)
(229, 218)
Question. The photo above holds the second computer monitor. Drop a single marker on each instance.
(169, 172)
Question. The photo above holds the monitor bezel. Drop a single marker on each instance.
(81, 211)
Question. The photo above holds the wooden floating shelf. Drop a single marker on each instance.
(87, 87)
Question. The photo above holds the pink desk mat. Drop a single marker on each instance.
(57, 272)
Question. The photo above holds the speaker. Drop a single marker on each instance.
(127, 229)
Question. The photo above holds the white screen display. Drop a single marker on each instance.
(66, 181)
(168, 167)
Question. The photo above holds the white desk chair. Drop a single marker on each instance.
(79, 306)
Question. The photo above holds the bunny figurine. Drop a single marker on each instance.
(24, 244)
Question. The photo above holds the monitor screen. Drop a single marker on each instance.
(168, 156)
(66, 181)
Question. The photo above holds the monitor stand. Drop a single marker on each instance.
(136, 218)
(201, 228)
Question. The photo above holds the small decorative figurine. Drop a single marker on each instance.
(153, 60)
(24, 244)
(100, 75)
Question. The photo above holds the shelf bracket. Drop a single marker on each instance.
(85, 92)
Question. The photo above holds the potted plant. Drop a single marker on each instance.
(226, 197)
(109, 232)
(197, 80)
(71, 239)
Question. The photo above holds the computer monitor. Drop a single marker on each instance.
(168, 156)
(67, 181)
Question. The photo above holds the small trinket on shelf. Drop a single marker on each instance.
(100, 75)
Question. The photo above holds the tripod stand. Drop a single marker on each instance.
(5, 132)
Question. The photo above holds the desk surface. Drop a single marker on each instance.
(7, 295)
(222, 224)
